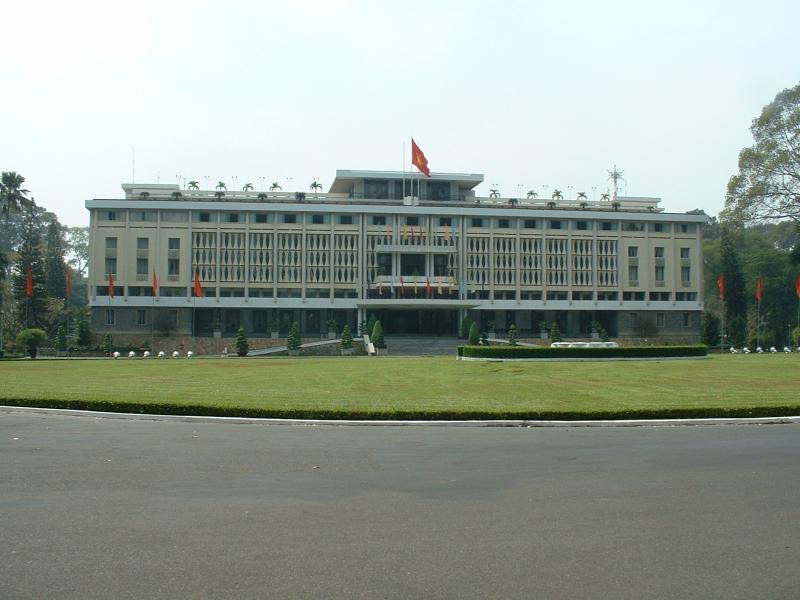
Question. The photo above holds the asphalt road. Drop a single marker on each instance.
(97, 508)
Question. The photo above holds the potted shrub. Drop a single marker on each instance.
(596, 327)
(293, 340)
(474, 334)
(543, 330)
(346, 344)
(30, 340)
(242, 347)
(491, 327)
(465, 326)
(370, 325)
(61, 342)
(555, 333)
(378, 340)
(331, 329)
(217, 329)
(274, 328)
(512, 335)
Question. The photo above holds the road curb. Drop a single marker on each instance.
(399, 423)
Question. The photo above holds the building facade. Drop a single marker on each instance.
(419, 254)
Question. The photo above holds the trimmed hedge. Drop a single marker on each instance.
(511, 352)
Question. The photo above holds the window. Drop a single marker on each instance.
(287, 218)
(530, 224)
(174, 243)
(111, 266)
(607, 296)
(173, 266)
(142, 243)
(345, 219)
(204, 217)
(633, 227)
(445, 221)
(633, 251)
(111, 243)
(659, 227)
(659, 296)
(261, 217)
(685, 296)
(384, 264)
(232, 218)
(659, 273)
(141, 317)
(581, 225)
(686, 274)
(607, 226)
(554, 224)
(142, 215)
(659, 251)
(476, 222)
(687, 319)
(633, 296)
(111, 317)
(110, 215)
(633, 273)
(503, 223)
(141, 266)
(684, 252)
(317, 220)
(379, 220)
(659, 319)
(412, 220)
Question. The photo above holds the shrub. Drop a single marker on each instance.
(31, 339)
(711, 325)
(274, 324)
(491, 326)
(108, 344)
(61, 339)
(622, 352)
(377, 336)
(347, 338)
(474, 334)
(242, 347)
(371, 325)
(543, 326)
(465, 326)
(555, 333)
(293, 340)
(512, 335)
(332, 324)
(84, 338)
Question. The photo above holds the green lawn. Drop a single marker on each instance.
(398, 387)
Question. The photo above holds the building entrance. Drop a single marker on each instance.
(418, 322)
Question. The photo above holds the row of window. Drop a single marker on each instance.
(143, 266)
(143, 243)
(633, 273)
(658, 252)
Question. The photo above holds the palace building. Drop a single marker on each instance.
(420, 253)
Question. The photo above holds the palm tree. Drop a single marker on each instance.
(12, 196)
(615, 205)
(299, 196)
(247, 187)
(275, 187)
(176, 195)
(512, 201)
(193, 185)
(532, 194)
(315, 185)
(144, 195)
(605, 197)
(219, 194)
(262, 196)
(584, 204)
(493, 193)
(221, 186)
(582, 196)
(551, 204)
(557, 195)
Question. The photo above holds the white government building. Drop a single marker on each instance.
(419, 261)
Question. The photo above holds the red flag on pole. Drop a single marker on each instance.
(110, 284)
(759, 289)
(198, 290)
(68, 287)
(721, 286)
(29, 284)
(155, 284)
(428, 285)
(797, 286)
(418, 159)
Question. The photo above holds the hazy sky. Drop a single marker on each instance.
(530, 93)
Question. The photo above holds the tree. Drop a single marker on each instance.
(30, 309)
(315, 185)
(735, 303)
(176, 195)
(710, 331)
(347, 338)
(377, 338)
(555, 333)
(193, 185)
(144, 195)
(474, 334)
(219, 195)
(221, 186)
(300, 196)
(293, 340)
(371, 324)
(532, 195)
(582, 196)
(605, 197)
(275, 187)
(31, 339)
(84, 335)
(55, 270)
(242, 347)
(512, 335)
(262, 196)
(108, 344)
(558, 195)
(767, 186)
(12, 197)
(465, 326)
(61, 339)
(247, 187)
(494, 193)
(78, 248)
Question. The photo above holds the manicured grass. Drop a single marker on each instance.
(425, 387)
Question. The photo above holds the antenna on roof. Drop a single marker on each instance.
(616, 177)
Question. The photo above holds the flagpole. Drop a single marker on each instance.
(758, 325)
(404, 169)
(722, 334)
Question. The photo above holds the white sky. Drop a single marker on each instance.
(530, 93)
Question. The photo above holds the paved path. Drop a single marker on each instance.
(100, 508)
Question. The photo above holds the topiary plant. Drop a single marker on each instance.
(543, 326)
(242, 347)
(371, 325)
(293, 340)
(512, 335)
(555, 333)
(331, 325)
(377, 336)
(31, 339)
(491, 326)
(84, 337)
(465, 326)
(347, 338)
(108, 344)
(61, 339)
(474, 334)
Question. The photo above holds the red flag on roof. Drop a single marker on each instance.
(110, 284)
(198, 290)
(759, 289)
(721, 286)
(155, 284)
(68, 287)
(418, 159)
(29, 284)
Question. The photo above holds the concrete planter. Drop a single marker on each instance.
(273, 335)
(595, 335)
(381, 351)
(294, 352)
(217, 333)
(543, 335)
(331, 335)
(347, 351)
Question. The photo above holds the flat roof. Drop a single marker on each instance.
(345, 177)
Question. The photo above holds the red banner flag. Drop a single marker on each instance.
(111, 284)
(418, 159)
(68, 287)
(155, 284)
(29, 284)
(759, 289)
(428, 285)
(721, 286)
(797, 286)
(198, 290)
